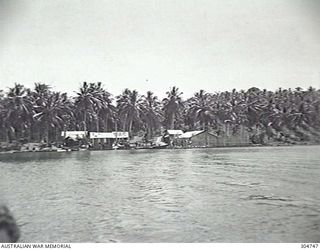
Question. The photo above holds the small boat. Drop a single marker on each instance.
(116, 146)
(159, 146)
(64, 150)
(61, 150)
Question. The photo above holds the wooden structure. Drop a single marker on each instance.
(223, 138)
(105, 140)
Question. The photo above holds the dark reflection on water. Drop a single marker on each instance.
(200, 195)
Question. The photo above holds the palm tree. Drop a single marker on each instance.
(106, 112)
(172, 106)
(41, 90)
(18, 106)
(129, 105)
(2, 115)
(87, 103)
(38, 96)
(42, 113)
(200, 109)
(52, 113)
(254, 110)
(151, 113)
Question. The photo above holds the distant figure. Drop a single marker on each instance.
(9, 231)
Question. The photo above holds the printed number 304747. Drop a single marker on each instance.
(309, 245)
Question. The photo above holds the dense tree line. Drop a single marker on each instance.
(40, 114)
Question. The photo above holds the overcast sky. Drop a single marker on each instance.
(155, 44)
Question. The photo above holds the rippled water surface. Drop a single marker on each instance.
(197, 195)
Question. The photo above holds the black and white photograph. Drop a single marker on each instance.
(159, 121)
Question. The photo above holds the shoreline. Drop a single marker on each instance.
(174, 148)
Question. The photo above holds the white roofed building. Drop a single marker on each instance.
(189, 134)
(198, 138)
(203, 138)
(174, 132)
(101, 135)
(104, 140)
(171, 135)
(74, 134)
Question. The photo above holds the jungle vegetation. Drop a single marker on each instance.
(40, 114)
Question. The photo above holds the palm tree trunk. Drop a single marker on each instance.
(106, 123)
(85, 121)
(22, 132)
(47, 132)
(7, 138)
(30, 132)
(57, 131)
(16, 134)
(116, 129)
(205, 125)
(172, 121)
(97, 124)
(149, 132)
(124, 123)
(130, 127)
(47, 136)
(206, 136)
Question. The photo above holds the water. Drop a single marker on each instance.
(197, 195)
